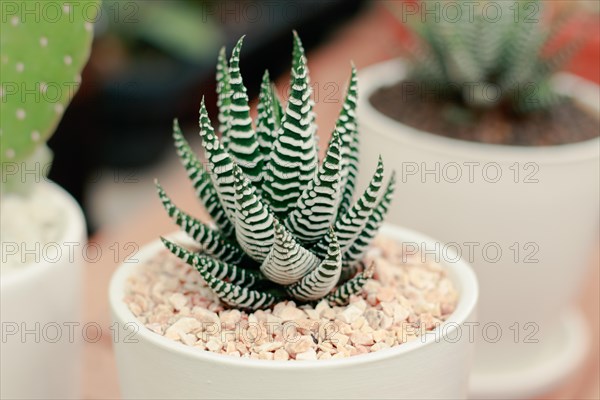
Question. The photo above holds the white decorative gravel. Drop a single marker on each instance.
(404, 299)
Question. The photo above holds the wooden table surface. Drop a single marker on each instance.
(366, 40)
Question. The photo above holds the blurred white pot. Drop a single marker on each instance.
(526, 217)
(157, 367)
(40, 303)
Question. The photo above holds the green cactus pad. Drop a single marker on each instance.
(43, 48)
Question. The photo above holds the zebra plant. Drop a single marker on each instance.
(284, 227)
(484, 61)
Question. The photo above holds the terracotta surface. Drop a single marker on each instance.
(365, 40)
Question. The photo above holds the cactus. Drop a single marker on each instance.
(42, 54)
(285, 227)
(484, 62)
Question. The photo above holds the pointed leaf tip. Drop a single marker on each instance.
(369, 271)
(177, 134)
(202, 105)
(238, 45)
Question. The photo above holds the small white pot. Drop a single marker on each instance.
(41, 332)
(541, 213)
(152, 366)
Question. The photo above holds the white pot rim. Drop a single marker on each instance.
(460, 272)
(74, 228)
(393, 71)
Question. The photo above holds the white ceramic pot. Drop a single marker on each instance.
(157, 367)
(526, 217)
(41, 331)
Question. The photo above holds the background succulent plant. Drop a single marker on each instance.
(42, 55)
(284, 226)
(486, 60)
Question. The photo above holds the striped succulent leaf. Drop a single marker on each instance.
(316, 208)
(223, 95)
(356, 251)
(298, 56)
(347, 127)
(236, 295)
(254, 222)
(293, 160)
(212, 241)
(287, 261)
(266, 126)
(221, 164)
(242, 141)
(350, 225)
(319, 282)
(302, 235)
(466, 57)
(342, 294)
(219, 269)
(202, 182)
(277, 107)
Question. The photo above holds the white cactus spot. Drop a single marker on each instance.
(68, 60)
(10, 153)
(77, 78)
(20, 67)
(20, 114)
(43, 41)
(35, 136)
(67, 8)
(59, 108)
(14, 21)
(43, 87)
(88, 26)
